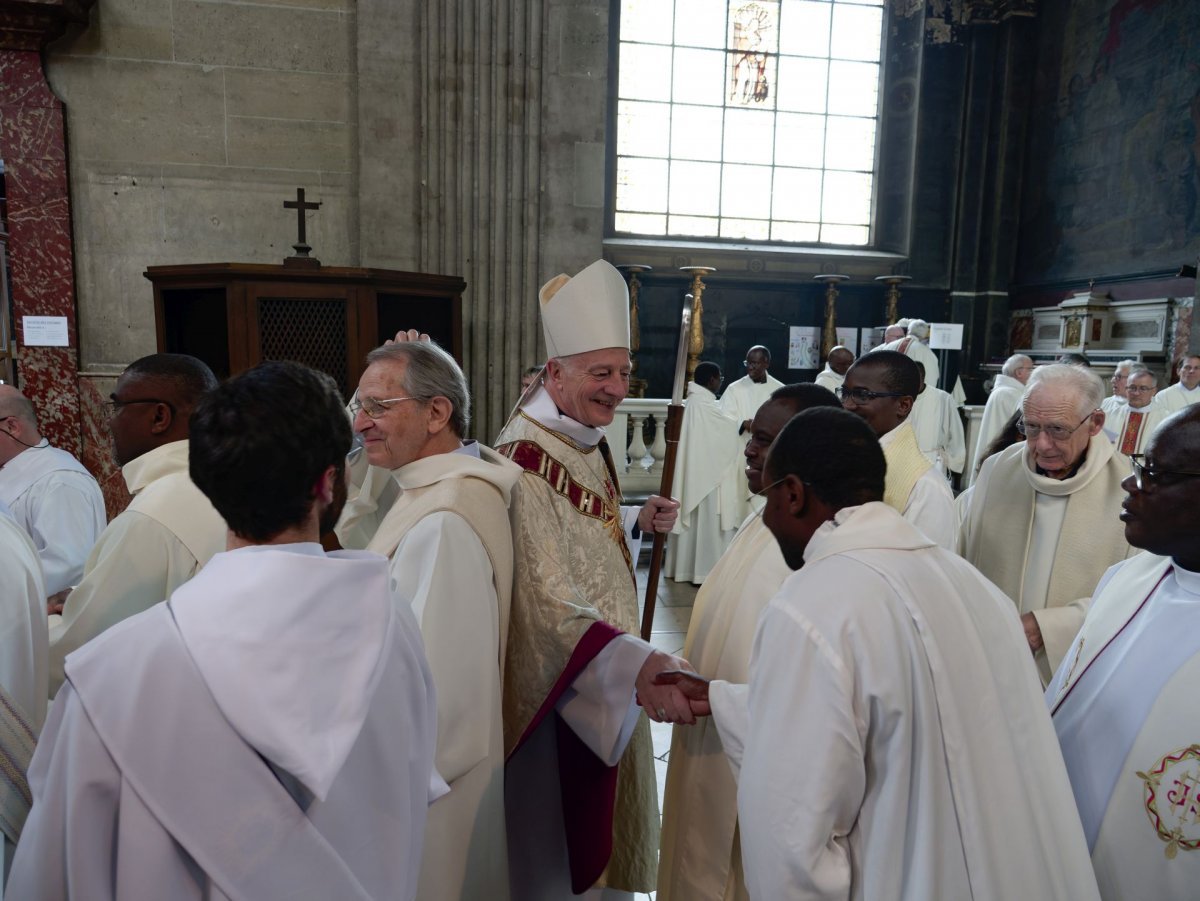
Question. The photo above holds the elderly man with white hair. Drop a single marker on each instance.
(916, 345)
(1002, 403)
(580, 795)
(1120, 378)
(1042, 523)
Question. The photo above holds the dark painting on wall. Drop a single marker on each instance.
(1112, 169)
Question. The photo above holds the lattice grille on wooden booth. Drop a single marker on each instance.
(313, 332)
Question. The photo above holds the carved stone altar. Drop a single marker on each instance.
(1106, 330)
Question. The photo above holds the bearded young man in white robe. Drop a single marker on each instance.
(1184, 392)
(168, 531)
(706, 481)
(1042, 519)
(741, 400)
(22, 676)
(1124, 699)
(700, 857)
(49, 493)
(881, 387)
(1003, 401)
(892, 741)
(268, 732)
(580, 791)
(449, 545)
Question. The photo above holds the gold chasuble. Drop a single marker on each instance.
(574, 591)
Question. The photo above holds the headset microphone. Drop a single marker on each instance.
(19, 441)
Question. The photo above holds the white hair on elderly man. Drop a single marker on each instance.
(1083, 383)
(1014, 364)
(918, 328)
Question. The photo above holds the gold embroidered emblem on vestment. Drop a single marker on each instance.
(1173, 799)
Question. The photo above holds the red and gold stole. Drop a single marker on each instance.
(1133, 428)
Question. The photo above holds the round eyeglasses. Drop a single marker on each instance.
(1031, 430)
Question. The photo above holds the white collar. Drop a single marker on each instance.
(540, 407)
(153, 465)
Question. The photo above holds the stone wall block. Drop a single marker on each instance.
(130, 29)
(261, 37)
(147, 124)
(290, 95)
(289, 144)
(589, 175)
(118, 208)
(583, 41)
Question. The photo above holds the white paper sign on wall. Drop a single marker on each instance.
(945, 335)
(45, 331)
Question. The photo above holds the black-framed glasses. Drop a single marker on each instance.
(862, 395)
(1145, 475)
(1056, 432)
(375, 407)
(112, 405)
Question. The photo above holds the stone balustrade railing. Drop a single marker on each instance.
(640, 469)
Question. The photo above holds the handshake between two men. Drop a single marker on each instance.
(670, 691)
(667, 687)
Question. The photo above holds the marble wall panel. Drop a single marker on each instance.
(96, 450)
(32, 145)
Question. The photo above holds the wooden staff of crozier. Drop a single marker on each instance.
(674, 424)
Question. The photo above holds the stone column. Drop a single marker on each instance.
(483, 149)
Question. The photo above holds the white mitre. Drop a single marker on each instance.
(587, 312)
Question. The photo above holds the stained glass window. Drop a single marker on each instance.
(748, 119)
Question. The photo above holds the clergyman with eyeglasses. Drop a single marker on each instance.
(169, 530)
(1131, 425)
(1042, 522)
(449, 546)
(1124, 699)
(881, 388)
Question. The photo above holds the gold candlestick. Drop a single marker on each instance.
(829, 332)
(696, 343)
(637, 386)
(893, 294)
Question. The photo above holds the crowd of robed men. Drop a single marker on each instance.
(460, 710)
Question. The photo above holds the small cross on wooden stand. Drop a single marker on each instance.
(301, 257)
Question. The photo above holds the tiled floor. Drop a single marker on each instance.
(672, 615)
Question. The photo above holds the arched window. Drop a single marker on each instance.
(748, 121)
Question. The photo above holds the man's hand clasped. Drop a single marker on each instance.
(670, 691)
